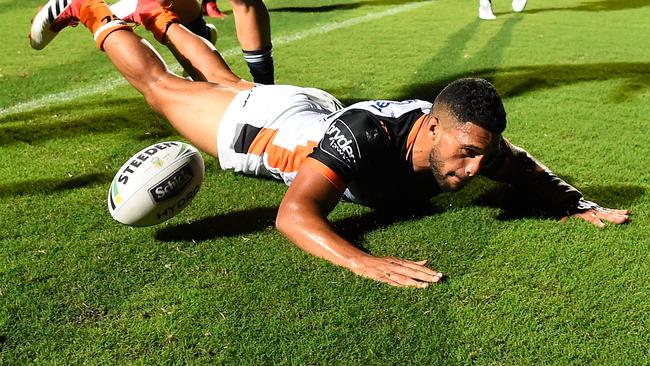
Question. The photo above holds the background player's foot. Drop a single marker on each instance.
(485, 11)
(519, 5)
(212, 10)
(51, 19)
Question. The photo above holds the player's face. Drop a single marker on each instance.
(459, 152)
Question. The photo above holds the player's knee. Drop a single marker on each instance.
(155, 92)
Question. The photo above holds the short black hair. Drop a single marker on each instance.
(474, 100)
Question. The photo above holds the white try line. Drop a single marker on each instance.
(69, 95)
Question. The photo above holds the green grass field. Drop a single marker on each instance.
(219, 285)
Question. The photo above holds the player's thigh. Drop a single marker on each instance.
(195, 110)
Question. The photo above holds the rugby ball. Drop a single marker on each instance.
(156, 183)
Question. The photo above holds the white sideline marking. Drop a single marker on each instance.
(66, 96)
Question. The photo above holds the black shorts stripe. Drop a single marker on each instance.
(58, 8)
(247, 134)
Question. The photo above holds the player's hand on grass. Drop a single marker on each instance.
(398, 272)
(596, 214)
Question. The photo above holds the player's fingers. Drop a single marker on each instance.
(405, 269)
(615, 218)
(418, 267)
(386, 277)
(414, 265)
(416, 273)
(407, 281)
(592, 217)
(437, 277)
(614, 211)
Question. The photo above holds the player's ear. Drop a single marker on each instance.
(433, 125)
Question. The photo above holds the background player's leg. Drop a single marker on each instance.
(253, 26)
(189, 13)
(193, 108)
(201, 56)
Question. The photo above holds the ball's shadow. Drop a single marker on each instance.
(53, 185)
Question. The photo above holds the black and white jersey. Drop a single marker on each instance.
(367, 149)
(364, 149)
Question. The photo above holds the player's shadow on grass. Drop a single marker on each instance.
(515, 204)
(598, 6)
(262, 218)
(516, 81)
(220, 226)
(345, 6)
(355, 228)
(107, 116)
(49, 186)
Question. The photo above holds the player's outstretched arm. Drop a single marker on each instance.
(515, 166)
(302, 217)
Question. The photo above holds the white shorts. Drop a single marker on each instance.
(270, 129)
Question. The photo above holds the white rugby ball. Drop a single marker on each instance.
(156, 183)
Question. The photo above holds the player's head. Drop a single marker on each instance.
(473, 100)
(465, 123)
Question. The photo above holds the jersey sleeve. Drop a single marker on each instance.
(326, 172)
(349, 143)
(515, 166)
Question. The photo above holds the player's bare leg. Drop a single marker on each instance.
(201, 56)
(253, 27)
(187, 11)
(193, 108)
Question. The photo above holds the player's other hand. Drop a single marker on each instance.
(397, 272)
(597, 215)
